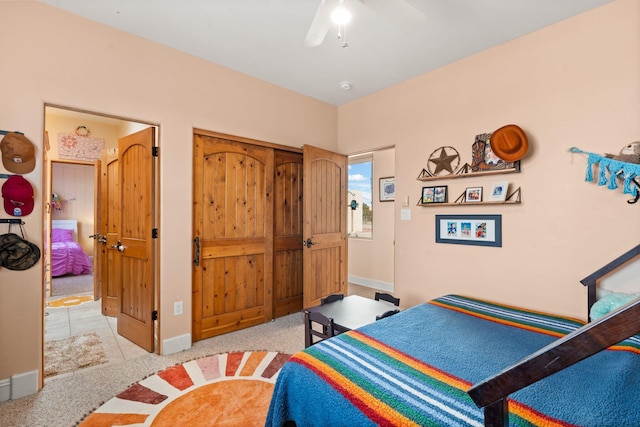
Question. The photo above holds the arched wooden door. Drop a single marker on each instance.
(108, 261)
(325, 224)
(135, 243)
(233, 235)
(287, 238)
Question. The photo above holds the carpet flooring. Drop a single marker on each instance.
(231, 389)
(67, 399)
(68, 285)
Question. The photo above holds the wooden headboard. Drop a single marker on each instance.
(66, 224)
(591, 280)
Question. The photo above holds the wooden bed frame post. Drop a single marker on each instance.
(496, 414)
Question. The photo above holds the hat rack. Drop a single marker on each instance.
(11, 221)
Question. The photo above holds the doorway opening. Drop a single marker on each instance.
(76, 142)
(371, 212)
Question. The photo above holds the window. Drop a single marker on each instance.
(360, 197)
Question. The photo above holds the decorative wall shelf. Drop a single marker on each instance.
(514, 198)
(466, 172)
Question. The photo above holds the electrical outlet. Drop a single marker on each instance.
(177, 308)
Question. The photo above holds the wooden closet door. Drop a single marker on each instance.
(287, 266)
(233, 235)
(325, 224)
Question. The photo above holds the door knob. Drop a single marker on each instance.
(119, 246)
(308, 243)
(99, 238)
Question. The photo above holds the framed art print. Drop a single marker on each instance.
(388, 189)
(476, 230)
(498, 192)
(434, 195)
(473, 194)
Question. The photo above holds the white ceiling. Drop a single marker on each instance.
(263, 38)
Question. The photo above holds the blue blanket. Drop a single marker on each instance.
(414, 368)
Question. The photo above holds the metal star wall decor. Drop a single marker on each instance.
(444, 160)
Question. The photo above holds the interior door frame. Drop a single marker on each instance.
(46, 203)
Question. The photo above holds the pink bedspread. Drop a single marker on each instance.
(67, 257)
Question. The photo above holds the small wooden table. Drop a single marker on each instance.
(353, 311)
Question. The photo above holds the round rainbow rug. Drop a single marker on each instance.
(231, 389)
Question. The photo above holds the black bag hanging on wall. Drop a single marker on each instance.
(16, 253)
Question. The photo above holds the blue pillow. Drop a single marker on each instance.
(610, 302)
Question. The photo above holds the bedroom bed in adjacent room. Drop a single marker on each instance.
(67, 255)
(459, 361)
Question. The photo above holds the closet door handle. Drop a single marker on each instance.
(196, 260)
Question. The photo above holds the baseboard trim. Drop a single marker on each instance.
(24, 384)
(176, 344)
(5, 390)
(369, 283)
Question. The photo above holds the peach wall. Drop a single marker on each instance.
(55, 57)
(576, 83)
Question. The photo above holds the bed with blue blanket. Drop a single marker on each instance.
(415, 368)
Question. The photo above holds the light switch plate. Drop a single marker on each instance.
(178, 308)
(405, 214)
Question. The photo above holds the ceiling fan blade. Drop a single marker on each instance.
(320, 25)
(398, 12)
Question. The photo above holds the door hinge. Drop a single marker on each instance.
(154, 233)
(154, 315)
(154, 151)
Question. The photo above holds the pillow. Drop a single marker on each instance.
(609, 302)
(61, 235)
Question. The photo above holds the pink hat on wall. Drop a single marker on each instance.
(18, 196)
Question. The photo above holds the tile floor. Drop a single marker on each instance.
(64, 322)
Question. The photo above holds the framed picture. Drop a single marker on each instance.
(434, 194)
(473, 194)
(498, 192)
(475, 230)
(388, 189)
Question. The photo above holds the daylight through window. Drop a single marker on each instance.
(360, 197)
